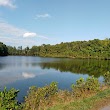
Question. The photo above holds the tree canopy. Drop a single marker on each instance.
(79, 49)
(99, 49)
(3, 49)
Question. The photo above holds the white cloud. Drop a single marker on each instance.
(6, 28)
(7, 3)
(46, 15)
(29, 34)
(12, 35)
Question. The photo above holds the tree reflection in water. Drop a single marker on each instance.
(79, 66)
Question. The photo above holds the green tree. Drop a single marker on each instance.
(3, 49)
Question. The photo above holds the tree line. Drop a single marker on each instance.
(96, 48)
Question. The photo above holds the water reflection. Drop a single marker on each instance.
(79, 66)
(2, 66)
(14, 68)
(28, 75)
(21, 72)
(8, 78)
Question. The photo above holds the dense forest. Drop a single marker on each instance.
(96, 48)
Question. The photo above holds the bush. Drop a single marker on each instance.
(7, 99)
(79, 87)
(82, 86)
(37, 96)
(40, 98)
(107, 78)
(92, 84)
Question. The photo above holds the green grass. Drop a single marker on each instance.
(83, 104)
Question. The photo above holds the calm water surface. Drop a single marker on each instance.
(21, 72)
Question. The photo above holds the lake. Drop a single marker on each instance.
(21, 72)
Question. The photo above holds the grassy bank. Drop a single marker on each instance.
(89, 103)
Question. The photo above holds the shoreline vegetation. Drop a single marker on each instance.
(92, 49)
(85, 94)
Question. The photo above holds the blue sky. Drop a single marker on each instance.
(37, 22)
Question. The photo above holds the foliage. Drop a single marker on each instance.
(79, 88)
(37, 96)
(99, 49)
(40, 98)
(91, 84)
(3, 49)
(18, 51)
(107, 78)
(7, 99)
(96, 48)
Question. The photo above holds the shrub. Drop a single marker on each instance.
(107, 78)
(92, 84)
(37, 96)
(78, 88)
(82, 86)
(7, 99)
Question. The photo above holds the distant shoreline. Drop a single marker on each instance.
(60, 57)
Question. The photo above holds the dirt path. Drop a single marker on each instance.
(106, 108)
(103, 104)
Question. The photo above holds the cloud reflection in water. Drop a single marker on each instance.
(28, 75)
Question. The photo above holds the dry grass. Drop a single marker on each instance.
(91, 102)
(102, 103)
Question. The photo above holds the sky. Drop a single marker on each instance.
(36, 22)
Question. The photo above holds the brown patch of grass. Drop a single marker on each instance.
(102, 103)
